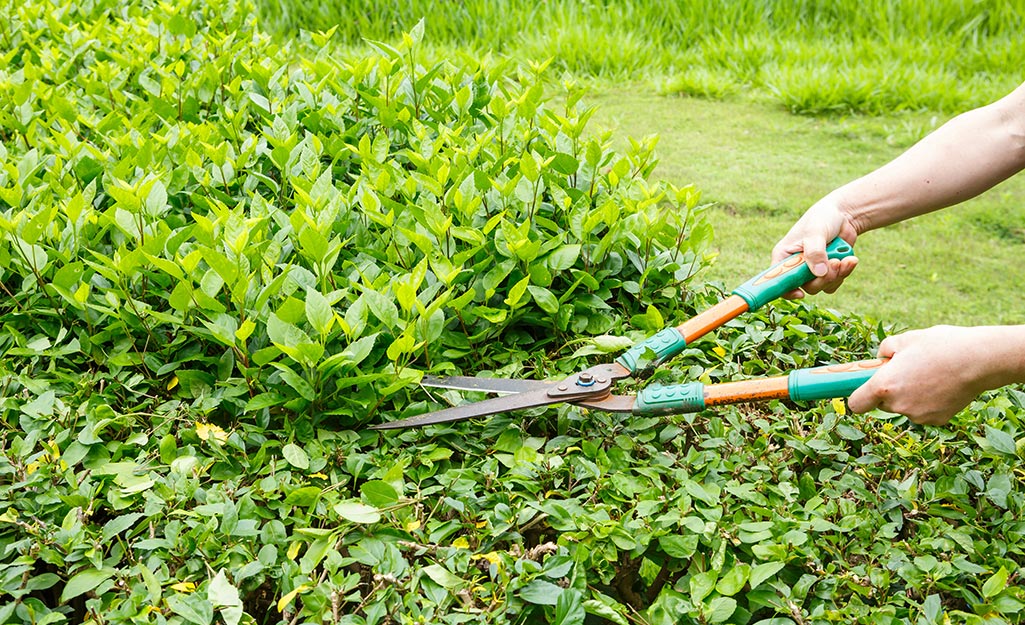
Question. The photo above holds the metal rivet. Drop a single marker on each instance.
(601, 380)
(562, 387)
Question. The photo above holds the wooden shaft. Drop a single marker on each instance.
(703, 323)
(748, 390)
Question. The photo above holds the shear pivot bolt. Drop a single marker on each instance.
(585, 379)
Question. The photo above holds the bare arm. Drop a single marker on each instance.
(966, 156)
(931, 373)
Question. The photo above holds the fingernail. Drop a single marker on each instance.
(820, 269)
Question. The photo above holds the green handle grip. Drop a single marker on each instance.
(671, 399)
(785, 276)
(666, 344)
(801, 385)
(831, 381)
(774, 282)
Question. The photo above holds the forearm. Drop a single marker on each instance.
(1000, 355)
(966, 156)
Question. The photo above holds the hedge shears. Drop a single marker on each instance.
(592, 387)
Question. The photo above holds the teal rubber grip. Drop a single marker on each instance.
(671, 399)
(666, 344)
(831, 381)
(785, 276)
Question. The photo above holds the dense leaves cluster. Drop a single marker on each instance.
(221, 256)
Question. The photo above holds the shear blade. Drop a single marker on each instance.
(518, 401)
(484, 385)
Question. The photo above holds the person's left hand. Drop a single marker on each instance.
(931, 374)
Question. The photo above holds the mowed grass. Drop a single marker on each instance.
(876, 74)
(761, 167)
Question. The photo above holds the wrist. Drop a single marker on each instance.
(853, 214)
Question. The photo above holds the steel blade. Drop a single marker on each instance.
(519, 401)
(484, 385)
(612, 403)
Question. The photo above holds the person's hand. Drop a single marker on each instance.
(823, 222)
(933, 373)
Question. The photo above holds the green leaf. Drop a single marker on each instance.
(304, 497)
(569, 608)
(733, 580)
(564, 257)
(296, 456)
(87, 580)
(677, 546)
(1001, 441)
(357, 512)
(119, 524)
(606, 611)
(193, 608)
(225, 598)
(932, 608)
(318, 311)
(762, 572)
(286, 336)
(995, 584)
(540, 592)
(403, 344)
(529, 167)
(516, 293)
(545, 299)
(701, 585)
(382, 307)
(379, 493)
(720, 609)
(296, 382)
(443, 577)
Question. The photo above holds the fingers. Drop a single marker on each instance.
(874, 393)
(892, 388)
(837, 270)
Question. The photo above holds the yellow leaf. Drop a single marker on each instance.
(287, 599)
(207, 430)
(81, 293)
(719, 351)
(412, 525)
(31, 468)
(172, 383)
(461, 543)
(839, 407)
(318, 474)
(293, 550)
(481, 524)
(184, 587)
(492, 557)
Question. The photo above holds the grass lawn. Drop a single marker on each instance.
(762, 167)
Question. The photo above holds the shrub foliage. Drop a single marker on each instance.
(223, 256)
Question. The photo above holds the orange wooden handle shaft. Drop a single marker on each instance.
(762, 389)
(703, 323)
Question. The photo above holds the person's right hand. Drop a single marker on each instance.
(822, 223)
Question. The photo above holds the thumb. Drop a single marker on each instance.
(864, 398)
(815, 255)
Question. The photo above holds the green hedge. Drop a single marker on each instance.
(222, 257)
